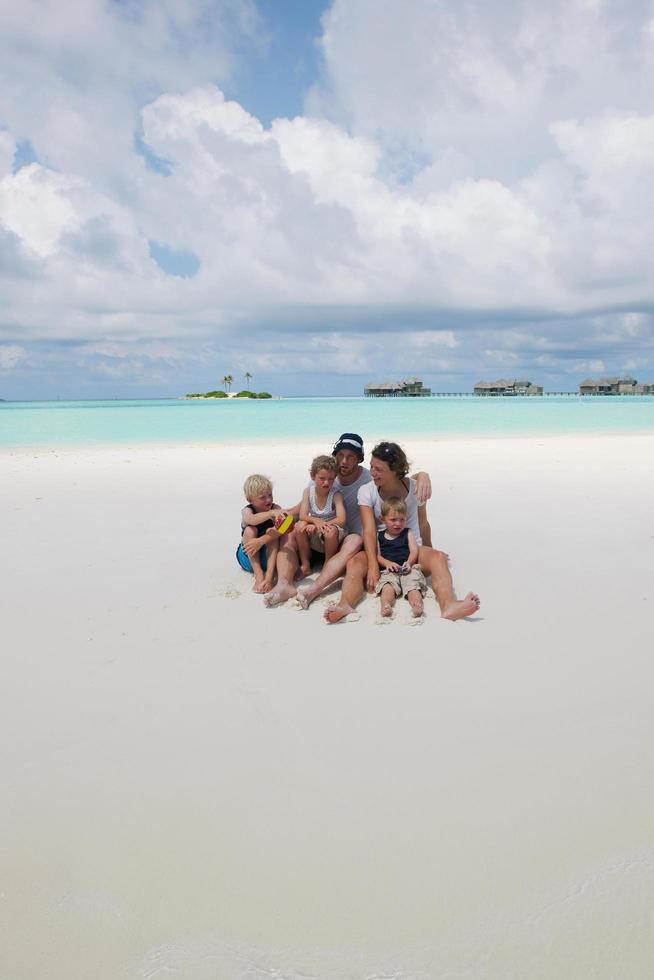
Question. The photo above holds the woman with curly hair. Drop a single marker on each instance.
(389, 469)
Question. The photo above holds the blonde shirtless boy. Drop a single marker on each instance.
(257, 552)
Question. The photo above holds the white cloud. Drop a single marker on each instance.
(38, 206)
(486, 79)
(594, 366)
(153, 351)
(339, 167)
(75, 75)
(296, 215)
(525, 135)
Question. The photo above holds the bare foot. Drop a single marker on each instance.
(281, 592)
(260, 584)
(306, 596)
(305, 569)
(303, 598)
(335, 613)
(417, 607)
(386, 609)
(459, 608)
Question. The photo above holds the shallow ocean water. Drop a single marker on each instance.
(176, 421)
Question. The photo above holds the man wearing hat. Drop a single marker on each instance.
(348, 451)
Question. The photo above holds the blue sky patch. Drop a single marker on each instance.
(174, 262)
(24, 155)
(274, 79)
(153, 162)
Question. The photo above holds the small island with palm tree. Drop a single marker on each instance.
(227, 382)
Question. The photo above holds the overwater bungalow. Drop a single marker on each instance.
(613, 386)
(409, 388)
(507, 386)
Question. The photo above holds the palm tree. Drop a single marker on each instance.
(229, 379)
(225, 381)
(248, 377)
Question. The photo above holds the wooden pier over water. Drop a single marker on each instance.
(471, 394)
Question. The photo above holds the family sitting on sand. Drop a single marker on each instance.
(370, 525)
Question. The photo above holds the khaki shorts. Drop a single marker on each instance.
(403, 584)
(316, 539)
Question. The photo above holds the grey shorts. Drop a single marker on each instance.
(316, 539)
(403, 584)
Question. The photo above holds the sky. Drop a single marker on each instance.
(323, 194)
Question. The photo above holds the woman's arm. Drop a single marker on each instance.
(369, 526)
(423, 487)
(424, 525)
(413, 549)
(380, 558)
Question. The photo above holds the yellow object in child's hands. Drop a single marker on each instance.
(283, 523)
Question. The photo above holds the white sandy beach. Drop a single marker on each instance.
(199, 788)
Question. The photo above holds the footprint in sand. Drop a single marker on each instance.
(228, 592)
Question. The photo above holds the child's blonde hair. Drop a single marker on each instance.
(324, 463)
(393, 503)
(256, 484)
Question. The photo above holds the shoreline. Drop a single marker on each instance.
(264, 443)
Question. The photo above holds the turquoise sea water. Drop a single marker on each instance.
(75, 423)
